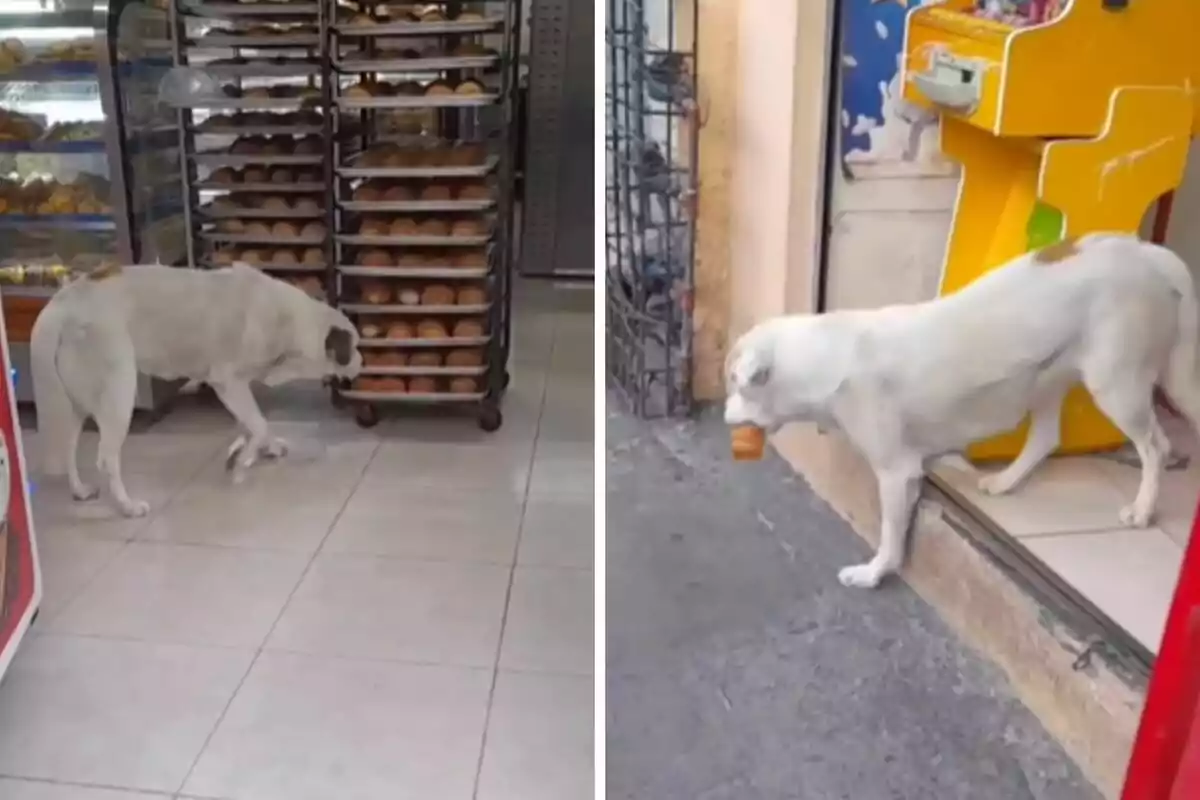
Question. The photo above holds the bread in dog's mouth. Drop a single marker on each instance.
(748, 442)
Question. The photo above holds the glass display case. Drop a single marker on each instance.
(89, 159)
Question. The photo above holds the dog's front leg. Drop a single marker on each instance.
(899, 488)
(237, 397)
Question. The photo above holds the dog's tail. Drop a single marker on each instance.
(1182, 381)
(56, 413)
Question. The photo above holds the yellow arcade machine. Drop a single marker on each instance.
(1073, 118)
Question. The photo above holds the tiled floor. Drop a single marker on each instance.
(398, 613)
(1066, 515)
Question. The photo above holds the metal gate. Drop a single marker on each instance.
(651, 150)
(559, 213)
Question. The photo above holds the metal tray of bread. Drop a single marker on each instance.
(447, 273)
(296, 240)
(299, 68)
(407, 65)
(260, 130)
(430, 372)
(226, 159)
(256, 103)
(416, 28)
(417, 101)
(409, 397)
(389, 206)
(462, 341)
(268, 266)
(258, 213)
(286, 8)
(226, 40)
(419, 310)
(414, 241)
(266, 188)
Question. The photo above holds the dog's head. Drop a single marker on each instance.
(342, 358)
(323, 343)
(748, 396)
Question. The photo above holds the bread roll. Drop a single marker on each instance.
(402, 330)
(258, 229)
(375, 258)
(253, 257)
(425, 358)
(412, 258)
(467, 329)
(438, 89)
(282, 175)
(275, 203)
(748, 442)
(397, 193)
(469, 87)
(285, 257)
(373, 226)
(307, 205)
(255, 175)
(467, 227)
(465, 357)
(393, 384)
(471, 259)
(434, 227)
(404, 226)
(283, 229)
(371, 330)
(470, 296)
(231, 226)
(463, 385)
(313, 230)
(376, 292)
(422, 384)
(431, 329)
(384, 358)
(438, 261)
(309, 146)
(437, 295)
(257, 93)
(224, 258)
(313, 257)
(225, 175)
(436, 191)
(474, 191)
(225, 204)
(359, 91)
(368, 193)
(310, 285)
(409, 296)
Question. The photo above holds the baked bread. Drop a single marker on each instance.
(393, 384)
(257, 93)
(255, 175)
(438, 89)
(425, 358)
(375, 258)
(467, 155)
(282, 175)
(471, 259)
(274, 203)
(470, 296)
(467, 227)
(371, 330)
(225, 175)
(411, 258)
(408, 296)
(434, 227)
(436, 191)
(313, 230)
(376, 292)
(284, 229)
(307, 205)
(258, 229)
(437, 261)
(230, 226)
(474, 191)
(254, 257)
(466, 357)
(368, 193)
(469, 16)
(401, 330)
(469, 87)
(359, 91)
(224, 258)
(285, 257)
(437, 294)
(309, 175)
(313, 257)
(308, 146)
(384, 358)
(422, 384)
(431, 14)
(367, 383)
(748, 442)
(463, 385)
(431, 329)
(404, 226)
(373, 226)
(397, 193)
(310, 285)
(467, 329)
(225, 204)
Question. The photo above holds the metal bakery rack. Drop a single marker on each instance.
(257, 146)
(423, 195)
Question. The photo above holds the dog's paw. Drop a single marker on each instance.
(83, 493)
(136, 508)
(235, 450)
(995, 484)
(1131, 516)
(276, 448)
(860, 576)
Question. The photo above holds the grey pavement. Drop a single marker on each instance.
(739, 669)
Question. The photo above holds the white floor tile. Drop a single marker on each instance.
(317, 729)
(465, 468)
(1129, 574)
(421, 611)
(563, 469)
(69, 561)
(441, 524)
(1063, 495)
(112, 713)
(558, 532)
(550, 621)
(539, 740)
(186, 594)
(36, 790)
(1178, 502)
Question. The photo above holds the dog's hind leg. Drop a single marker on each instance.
(1130, 406)
(79, 490)
(113, 413)
(899, 489)
(1043, 438)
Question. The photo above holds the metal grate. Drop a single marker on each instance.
(652, 158)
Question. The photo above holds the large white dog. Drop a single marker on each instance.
(908, 383)
(225, 327)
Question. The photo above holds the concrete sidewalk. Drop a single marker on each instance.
(739, 669)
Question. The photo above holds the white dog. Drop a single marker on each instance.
(908, 383)
(225, 327)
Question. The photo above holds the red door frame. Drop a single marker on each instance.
(1166, 754)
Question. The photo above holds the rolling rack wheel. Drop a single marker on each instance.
(366, 415)
(490, 418)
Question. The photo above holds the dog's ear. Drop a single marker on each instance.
(339, 346)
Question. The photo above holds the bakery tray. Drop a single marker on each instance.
(370, 207)
(259, 213)
(470, 171)
(256, 42)
(219, 159)
(414, 241)
(250, 238)
(464, 341)
(400, 65)
(260, 69)
(221, 10)
(421, 101)
(448, 273)
(409, 28)
(58, 222)
(430, 372)
(256, 103)
(53, 147)
(408, 397)
(260, 130)
(268, 188)
(419, 310)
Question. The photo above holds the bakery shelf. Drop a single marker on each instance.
(396, 309)
(264, 69)
(429, 372)
(263, 239)
(59, 222)
(417, 101)
(218, 159)
(414, 241)
(267, 266)
(255, 103)
(446, 273)
(418, 28)
(272, 9)
(384, 207)
(258, 213)
(411, 65)
(266, 188)
(218, 42)
(462, 341)
(409, 397)
(260, 130)
(350, 170)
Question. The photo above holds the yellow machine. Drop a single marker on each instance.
(1062, 128)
